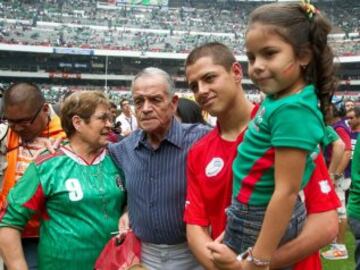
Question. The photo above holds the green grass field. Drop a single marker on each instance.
(348, 264)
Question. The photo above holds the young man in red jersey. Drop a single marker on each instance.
(215, 77)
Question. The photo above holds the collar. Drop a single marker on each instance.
(67, 151)
(174, 135)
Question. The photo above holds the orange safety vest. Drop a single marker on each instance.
(54, 131)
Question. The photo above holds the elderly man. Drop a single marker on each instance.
(153, 160)
(32, 128)
(215, 77)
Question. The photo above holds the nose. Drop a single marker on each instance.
(203, 88)
(109, 123)
(147, 106)
(258, 65)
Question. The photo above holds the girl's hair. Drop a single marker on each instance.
(304, 30)
(189, 111)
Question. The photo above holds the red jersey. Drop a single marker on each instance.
(209, 181)
(209, 187)
(320, 196)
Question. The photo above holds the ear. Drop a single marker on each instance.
(174, 102)
(76, 121)
(237, 71)
(305, 56)
(46, 107)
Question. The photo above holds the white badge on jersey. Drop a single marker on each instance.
(324, 186)
(214, 167)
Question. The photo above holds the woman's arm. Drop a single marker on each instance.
(11, 249)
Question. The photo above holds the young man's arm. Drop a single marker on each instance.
(345, 137)
(198, 237)
(321, 228)
(338, 148)
(11, 249)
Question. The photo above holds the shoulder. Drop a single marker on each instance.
(4, 128)
(46, 156)
(127, 143)
(205, 142)
(120, 117)
(195, 130)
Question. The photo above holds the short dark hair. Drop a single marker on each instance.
(219, 53)
(23, 93)
(356, 110)
(122, 101)
(112, 105)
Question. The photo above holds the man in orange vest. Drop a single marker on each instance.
(32, 127)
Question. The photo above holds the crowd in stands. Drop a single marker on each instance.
(88, 24)
(55, 93)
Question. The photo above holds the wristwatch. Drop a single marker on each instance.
(248, 256)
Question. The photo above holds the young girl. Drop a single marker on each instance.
(291, 62)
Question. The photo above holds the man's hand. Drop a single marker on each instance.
(49, 145)
(222, 256)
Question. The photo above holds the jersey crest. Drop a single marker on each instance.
(214, 167)
(324, 186)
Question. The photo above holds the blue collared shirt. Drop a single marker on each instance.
(156, 181)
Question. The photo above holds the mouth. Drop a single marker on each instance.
(105, 133)
(146, 119)
(206, 101)
(262, 79)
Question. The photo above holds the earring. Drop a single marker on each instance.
(303, 67)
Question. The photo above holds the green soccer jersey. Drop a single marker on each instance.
(353, 206)
(294, 122)
(330, 137)
(79, 204)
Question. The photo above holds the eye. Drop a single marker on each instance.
(138, 102)
(194, 87)
(210, 78)
(157, 99)
(250, 57)
(270, 53)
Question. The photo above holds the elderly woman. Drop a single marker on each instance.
(77, 191)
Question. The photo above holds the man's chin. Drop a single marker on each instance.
(27, 137)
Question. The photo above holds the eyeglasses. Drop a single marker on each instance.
(24, 121)
(104, 117)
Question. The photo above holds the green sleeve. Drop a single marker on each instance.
(355, 163)
(24, 199)
(330, 136)
(296, 126)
